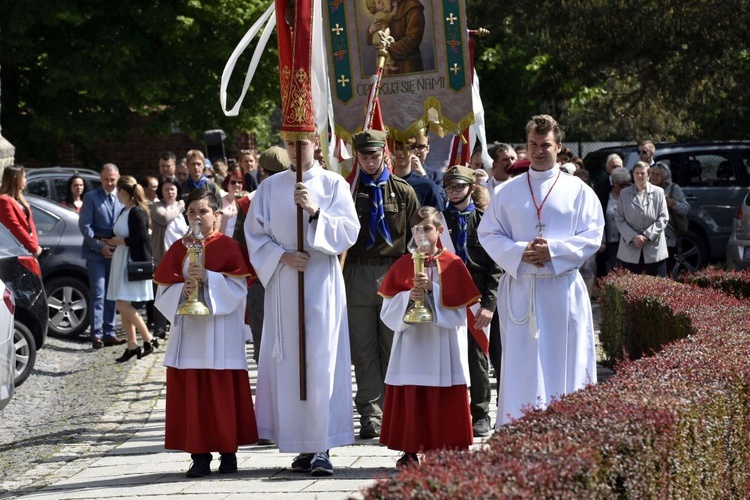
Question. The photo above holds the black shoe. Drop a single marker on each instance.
(161, 333)
(265, 442)
(228, 463)
(154, 342)
(129, 353)
(481, 427)
(96, 344)
(407, 459)
(302, 462)
(148, 348)
(201, 465)
(369, 430)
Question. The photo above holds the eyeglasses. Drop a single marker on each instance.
(643, 151)
(418, 146)
(456, 188)
(236, 183)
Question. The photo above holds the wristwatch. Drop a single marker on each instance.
(315, 215)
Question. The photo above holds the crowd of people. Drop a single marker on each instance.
(511, 252)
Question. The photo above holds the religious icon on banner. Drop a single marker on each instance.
(427, 75)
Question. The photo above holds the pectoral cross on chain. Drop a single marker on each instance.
(540, 227)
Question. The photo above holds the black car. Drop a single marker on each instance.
(21, 273)
(52, 182)
(714, 177)
(63, 268)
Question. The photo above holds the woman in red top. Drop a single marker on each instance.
(15, 213)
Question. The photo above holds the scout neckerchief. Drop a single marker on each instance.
(378, 223)
(463, 226)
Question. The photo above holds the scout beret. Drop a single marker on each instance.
(459, 173)
(369, 140)
(274, 159)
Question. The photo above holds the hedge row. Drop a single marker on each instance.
(736, 283)
(642, 314)
(672, 425)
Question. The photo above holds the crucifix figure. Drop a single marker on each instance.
(540, 227)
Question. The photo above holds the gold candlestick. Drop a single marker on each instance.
(193, 306)
(419, 311)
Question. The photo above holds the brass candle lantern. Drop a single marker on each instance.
(419, 311)
(193, 306)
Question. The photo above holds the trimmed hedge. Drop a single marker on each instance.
(640, 314)
(672, 425)
(735, 283)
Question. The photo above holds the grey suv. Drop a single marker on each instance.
(714, 176)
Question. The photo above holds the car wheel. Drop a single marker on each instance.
(68, 301)
(690, 255)
(25, 352)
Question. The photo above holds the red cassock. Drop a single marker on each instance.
(419, 418)
(207, 410)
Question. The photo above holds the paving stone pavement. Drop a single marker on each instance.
(125, 457)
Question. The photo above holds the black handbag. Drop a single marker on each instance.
(140, 270)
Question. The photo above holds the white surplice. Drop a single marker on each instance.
(546, 324)
(325, 419)
(214, 342)
(428, 354)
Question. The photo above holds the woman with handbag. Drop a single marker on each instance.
(677, 205)
(132, 266)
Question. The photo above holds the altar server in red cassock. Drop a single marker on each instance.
(426, 399)
(209, 403)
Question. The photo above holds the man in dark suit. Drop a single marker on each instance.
(97, 218)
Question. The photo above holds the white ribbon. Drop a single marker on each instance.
(530, 315)
(269, 16)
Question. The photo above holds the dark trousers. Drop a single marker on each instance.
(653, 269)
(256, 296)
(496, 347)
(479, 374)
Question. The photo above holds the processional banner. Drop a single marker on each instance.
(426, 81)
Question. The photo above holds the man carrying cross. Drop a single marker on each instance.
(540, 228)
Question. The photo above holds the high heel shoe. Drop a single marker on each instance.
(148, 348)
(129, 353)
(155, 343)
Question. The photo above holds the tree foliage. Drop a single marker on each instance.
(621, 69)
(79, 70)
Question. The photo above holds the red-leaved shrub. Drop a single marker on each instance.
(674, 425)
(736, 283)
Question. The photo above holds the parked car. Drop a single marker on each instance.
(738, 248)
(7, 348)
(20, 272)
(63, 268)
(52, 182)
(714, 177)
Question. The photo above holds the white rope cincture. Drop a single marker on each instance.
(530, 315)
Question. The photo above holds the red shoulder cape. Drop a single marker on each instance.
(244, 204)
(456, 285)
(221, 254)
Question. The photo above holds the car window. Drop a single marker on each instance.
(8, 244)
(39, 187)
(745, 159)
(710, 169)
(43, 220)
(61, 187)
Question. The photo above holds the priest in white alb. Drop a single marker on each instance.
(324, 420)
(540, 228)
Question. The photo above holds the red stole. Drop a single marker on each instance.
(221, 254)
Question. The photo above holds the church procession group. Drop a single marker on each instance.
(421, 386)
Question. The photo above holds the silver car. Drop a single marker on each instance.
(7, 347)
(738, 248)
